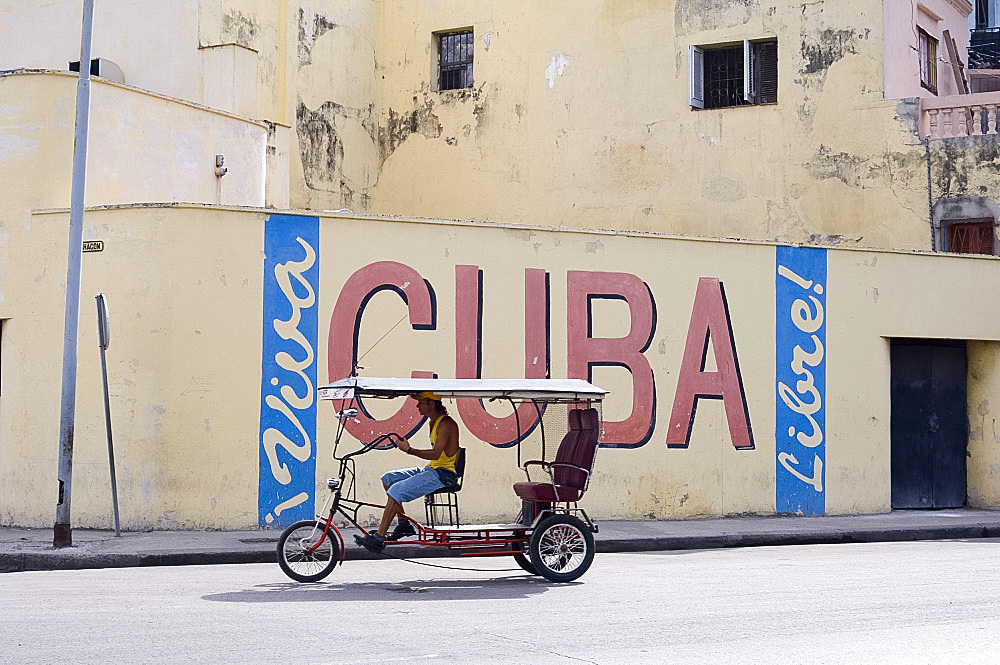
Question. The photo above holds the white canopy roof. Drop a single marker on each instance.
(517, 389)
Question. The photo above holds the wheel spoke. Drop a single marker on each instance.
(303, 554)
(562, 548)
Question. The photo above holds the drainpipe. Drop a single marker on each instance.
(930, 197)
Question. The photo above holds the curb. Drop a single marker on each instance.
(18, 562)
(818, 537)
(25, 561)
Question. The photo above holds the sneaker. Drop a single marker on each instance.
(402, 530)
(372, 542)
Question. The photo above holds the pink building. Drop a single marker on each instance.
(926, 47)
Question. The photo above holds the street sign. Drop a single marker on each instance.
(103, 325)
(104, 339)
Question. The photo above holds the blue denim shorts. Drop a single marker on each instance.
(409, 484)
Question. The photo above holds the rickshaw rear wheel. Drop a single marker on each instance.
(296, 555)
(561, 548)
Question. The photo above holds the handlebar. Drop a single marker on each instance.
(390, 437)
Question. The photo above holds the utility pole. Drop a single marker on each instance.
(62, 533)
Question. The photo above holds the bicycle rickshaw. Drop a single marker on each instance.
(552, 535)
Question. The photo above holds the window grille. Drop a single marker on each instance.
(724, 77)
(975, 237)
(927, 51)
(455, 60)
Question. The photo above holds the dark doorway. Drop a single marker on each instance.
(929, 425)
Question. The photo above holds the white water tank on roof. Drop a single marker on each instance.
(102, 67)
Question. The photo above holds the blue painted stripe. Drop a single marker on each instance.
(286, 442)
(800, 380)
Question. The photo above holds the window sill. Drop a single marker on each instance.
(737, 106)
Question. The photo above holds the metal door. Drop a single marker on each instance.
(929, 426)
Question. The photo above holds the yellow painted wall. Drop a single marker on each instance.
(184, 284)
(578, 112)
(581, 113)
(141, 147)
(182, 387)
(579, 121)
(333, 98)
(154, 43)
(984, 444)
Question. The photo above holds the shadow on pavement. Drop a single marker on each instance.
(496, 588)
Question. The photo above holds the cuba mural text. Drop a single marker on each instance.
(288, 370)
(710, 323)
(800, 374)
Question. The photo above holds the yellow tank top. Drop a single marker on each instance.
(445, 461)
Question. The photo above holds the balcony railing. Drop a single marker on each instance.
(984, 36)
(984, 48)
(960, 115)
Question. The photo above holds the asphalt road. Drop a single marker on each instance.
(909, 602)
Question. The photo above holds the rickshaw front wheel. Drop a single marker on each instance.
(299, 555)
(561, 548)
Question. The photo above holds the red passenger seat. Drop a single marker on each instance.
(569, 472)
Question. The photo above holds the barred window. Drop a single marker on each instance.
(737, 75)
(927, 51)
(724, 77)
(971, 236)
(455, 60)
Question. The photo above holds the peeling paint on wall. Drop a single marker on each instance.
(321, 149)
(858, 171)
(696, 15)
(15, 147)
(825, 47)
(954, 160)
(240, 28)
(312, 26)
(725, 190)
(908, 112)
(556, 66)
(400, 125)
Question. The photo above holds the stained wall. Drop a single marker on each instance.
(583, 112)
(580, 113)
(194, 346)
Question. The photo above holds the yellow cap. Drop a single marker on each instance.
(427, 395)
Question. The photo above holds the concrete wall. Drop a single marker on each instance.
(154, 43)
(334, 162)
(178, 414)
(984, 469)
(228, 55)
(582, 113)
(141, 147)
(188, 389)
(579, 121)
(577, 113)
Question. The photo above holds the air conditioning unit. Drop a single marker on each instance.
(102, 67)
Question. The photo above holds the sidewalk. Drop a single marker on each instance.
(31, 549)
